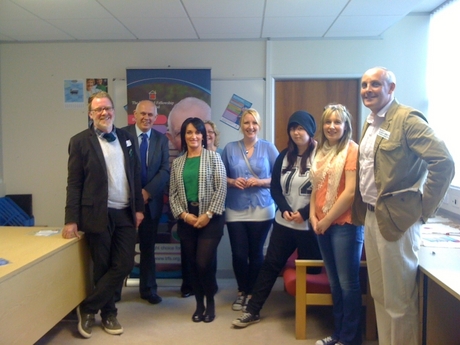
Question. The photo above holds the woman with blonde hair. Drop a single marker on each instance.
(250, 209)
(334, 178)
(213, 136)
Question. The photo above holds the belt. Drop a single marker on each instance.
(370, 207)
(194, 203)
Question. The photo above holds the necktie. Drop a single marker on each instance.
(143, 150)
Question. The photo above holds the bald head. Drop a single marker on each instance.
(377, 87)
(145, 115)
(187, 107)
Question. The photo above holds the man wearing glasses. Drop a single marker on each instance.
(104, 200)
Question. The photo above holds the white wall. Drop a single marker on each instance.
(35, 126)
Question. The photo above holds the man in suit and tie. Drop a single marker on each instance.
(154, 157)
(104, 200)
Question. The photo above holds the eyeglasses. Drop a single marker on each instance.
(101, 109)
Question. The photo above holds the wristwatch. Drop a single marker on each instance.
(209, 214)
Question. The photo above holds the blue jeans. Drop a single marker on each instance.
(247, 241)
(341, 248)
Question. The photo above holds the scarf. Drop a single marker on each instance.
(328, 163)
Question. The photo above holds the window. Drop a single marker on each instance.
(443, 78)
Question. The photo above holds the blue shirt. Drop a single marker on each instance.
(261, 161)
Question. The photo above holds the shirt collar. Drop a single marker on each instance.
(382, 112)
(139, 132)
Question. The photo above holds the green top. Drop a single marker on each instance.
(190, 175)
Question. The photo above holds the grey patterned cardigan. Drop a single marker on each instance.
(212, 186)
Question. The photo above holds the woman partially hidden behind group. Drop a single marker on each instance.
(198, 188)
(334, 177)
(250, 208)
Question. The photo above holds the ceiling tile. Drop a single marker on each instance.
(49, 20)
(222, 26)
(64, 9)
(84, 29)
(361, 26)
(36, 29)
(302, 8)
(161, 28)
(296, 27)
(225, 8)
(380, 7)
(145, 8)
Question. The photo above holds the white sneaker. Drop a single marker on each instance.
(239, 302)
(327, 341)
(246, 301)
(245, 320)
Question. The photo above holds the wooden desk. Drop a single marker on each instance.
(47, 277)
(440, 295)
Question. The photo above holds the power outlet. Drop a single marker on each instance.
(451, 201)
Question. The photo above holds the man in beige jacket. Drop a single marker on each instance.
(404, 171)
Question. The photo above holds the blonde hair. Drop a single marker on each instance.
(216, 131)
(101, 94)
(252, 112)
(345, 116)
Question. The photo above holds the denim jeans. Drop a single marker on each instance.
(341, 248)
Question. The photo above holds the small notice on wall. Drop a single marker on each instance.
(234, 110)
(74, 95)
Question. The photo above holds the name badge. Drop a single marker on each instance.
(383, 133)
(128, 143)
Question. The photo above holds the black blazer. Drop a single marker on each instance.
(87, 184)
(158, 168)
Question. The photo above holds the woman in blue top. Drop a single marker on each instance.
(250, 209)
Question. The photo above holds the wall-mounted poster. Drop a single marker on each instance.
(190, 91)
(95, 85)
(234, 110)
(73, 93)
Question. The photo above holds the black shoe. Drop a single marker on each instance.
(245, 320)
(186, 294)
(111, 325)
(85, 323)
(153, 298)
(209, 318)
(197, 317)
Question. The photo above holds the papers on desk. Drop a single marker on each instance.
(47, 232)
(440, 235)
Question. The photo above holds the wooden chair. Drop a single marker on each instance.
(314, 289)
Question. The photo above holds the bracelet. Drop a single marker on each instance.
(185, 218)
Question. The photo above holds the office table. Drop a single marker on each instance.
(440, 295)
(47, 277)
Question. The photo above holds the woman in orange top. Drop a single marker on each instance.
(334, 174)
